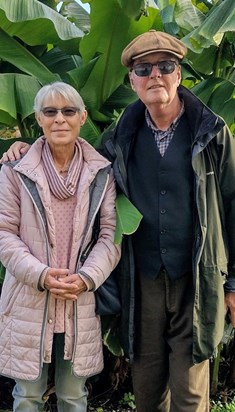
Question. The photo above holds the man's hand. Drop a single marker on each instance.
(230, 305)
(15, 151)
(62, 285)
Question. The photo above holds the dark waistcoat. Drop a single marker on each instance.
(162, 190)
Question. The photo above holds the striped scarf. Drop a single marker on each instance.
(61, 187)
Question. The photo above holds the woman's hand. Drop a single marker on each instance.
(63, 285)
(15, 151)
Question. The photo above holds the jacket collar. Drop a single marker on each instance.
(202, 119)
(30, 163)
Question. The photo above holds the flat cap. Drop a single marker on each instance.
(151, 42)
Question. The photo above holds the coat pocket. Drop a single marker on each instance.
(211, 296)
(11, 291)
(208, 313)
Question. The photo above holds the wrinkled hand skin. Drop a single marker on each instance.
(63, 285)
(15, 151)
(230, 306)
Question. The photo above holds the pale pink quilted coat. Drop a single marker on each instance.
(26, 249)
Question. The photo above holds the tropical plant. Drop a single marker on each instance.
(41, 42)
(129, 400)
(222, 407)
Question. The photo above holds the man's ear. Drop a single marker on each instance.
(131, 81)
(179, 75)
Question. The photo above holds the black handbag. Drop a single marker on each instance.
(107, 295)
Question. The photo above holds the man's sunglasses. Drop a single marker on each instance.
(145, 69)
(66, 111)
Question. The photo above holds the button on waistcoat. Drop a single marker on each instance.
(162, 189)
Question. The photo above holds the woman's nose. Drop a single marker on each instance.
(59, 117)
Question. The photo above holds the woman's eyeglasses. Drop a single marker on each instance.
(145, 69)
(66, 111)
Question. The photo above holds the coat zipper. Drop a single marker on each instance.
(78, 261)
(48, 262)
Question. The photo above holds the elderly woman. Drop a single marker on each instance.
(48, 203)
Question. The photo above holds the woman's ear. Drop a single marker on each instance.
(83, 117)
(38, 118)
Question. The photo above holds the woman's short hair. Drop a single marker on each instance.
(53, 90)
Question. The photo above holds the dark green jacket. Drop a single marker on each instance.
(213, 162)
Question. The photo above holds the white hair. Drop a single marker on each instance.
(56, 89)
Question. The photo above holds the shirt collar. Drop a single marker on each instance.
(172, 125)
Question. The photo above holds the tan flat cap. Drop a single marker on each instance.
(151, 42)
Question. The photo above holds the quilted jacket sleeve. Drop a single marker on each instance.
(14, 253)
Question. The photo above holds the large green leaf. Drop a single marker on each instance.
(133, 9)
(91, 132)
(219, 95)
(128, 218)
(182, 12)
(111, 334)
(120, 98)
(35, 23)
(57, 61)
(80, 75)
(103, 85)
(17, 96)
(205, 61)
(111, 339)
(187, 16)
(109, 40)
(19, 56)
(77, 14)
(219, 20)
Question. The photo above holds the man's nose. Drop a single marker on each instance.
(155, 71)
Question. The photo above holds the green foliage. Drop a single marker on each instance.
(39, 44)
(5, 144)
(208, 30)
(128, 218)
(219, 20)
(222, 406)
(2, 273)
(110, 333)
(129, 400)
(28, 17)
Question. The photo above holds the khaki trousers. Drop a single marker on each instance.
(164, 377)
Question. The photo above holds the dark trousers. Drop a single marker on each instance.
(164, 377)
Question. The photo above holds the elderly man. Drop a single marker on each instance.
(175, 160)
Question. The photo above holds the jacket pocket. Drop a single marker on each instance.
(15, 295)
(211, 295)
(11, 291)
(208, 313)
